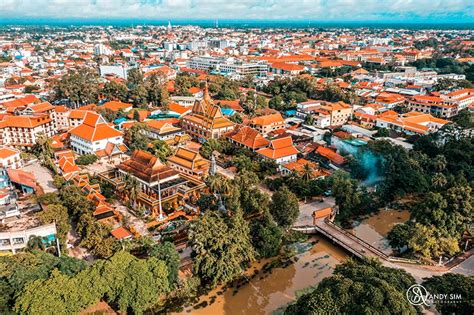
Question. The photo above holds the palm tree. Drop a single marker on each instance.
(43, 148)
(36, 243)
(439, 163)
(439, 180)
(307, 172)
(132, 185)
(218, 184)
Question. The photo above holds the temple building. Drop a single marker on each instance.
(162, 190)
(206, 119)
(189, 162)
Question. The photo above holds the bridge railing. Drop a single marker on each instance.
(360, 241)
(375, 250)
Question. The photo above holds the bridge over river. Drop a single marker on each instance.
(351, 243)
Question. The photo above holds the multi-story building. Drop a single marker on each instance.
(189, 162)
(23, 131)
(268, 123)
(13, 241)
(338, 113)
(161, 130)
(206, 119)
(228, 65)
(162, 190)
(434, 105)
(93, 135)
(10, 158)
(411, 123)
(247, 137)
(460, 98)
(280, 150)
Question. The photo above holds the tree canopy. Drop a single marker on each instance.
(221, 247)
(358, 288)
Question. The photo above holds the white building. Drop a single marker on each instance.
(12, 241)
(227, 65)
(93, 135)
(10, 158)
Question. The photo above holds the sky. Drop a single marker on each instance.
(432, 11)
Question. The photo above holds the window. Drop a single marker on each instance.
(18, 240)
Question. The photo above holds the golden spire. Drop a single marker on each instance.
(206, 97)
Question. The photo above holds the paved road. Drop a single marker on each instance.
(306, 210)
(466, 267)
(43, 176)
(133, 220)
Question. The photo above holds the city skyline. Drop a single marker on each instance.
(401, 11)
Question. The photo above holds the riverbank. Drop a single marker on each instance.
(270, 284)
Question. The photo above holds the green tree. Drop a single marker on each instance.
(309, 119)
(284, 207)
(134, 284)
(58, 214)
(43, 150)
(160, 149)
(96, 237)
(86, 159)
(18, 270)
(136, 138)
(157, 91)
(399, 236)
(80, 87)
(455, 284)
(246, 194)
(133, 188)
(218, 258)
(358, 288)
(115, 91)
(166, 252)
(465, 119)
(75, 201)
(382, 132)
(266, 236)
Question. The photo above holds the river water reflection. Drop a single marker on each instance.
(375, 228)
(267, 292)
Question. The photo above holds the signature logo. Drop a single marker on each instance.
(417, 295)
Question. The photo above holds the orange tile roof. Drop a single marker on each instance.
(248, 137)
(116, 106)
(78, 114)
(29, 99)
(95, 128)
(330, 154)
(287, 66)
(61, 109)
(6, 152)
(266, 120)
(279, 148)
(41, 107)
(22, 178)
(174, 107)
(142, 114)
(121, 233)
(25, 121)
(194, 90)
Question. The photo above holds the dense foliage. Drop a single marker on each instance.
(284, 207)
(437, 174)
(358, 288)
(128, 283)
(221, 247)
(454, 284)
(86, 159)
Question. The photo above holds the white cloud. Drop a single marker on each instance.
(242, 9)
